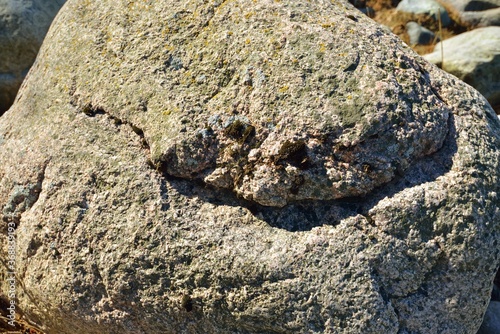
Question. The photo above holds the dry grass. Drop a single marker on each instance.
(21, 326)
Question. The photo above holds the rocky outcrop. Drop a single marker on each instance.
(251, 167)
(473, 57)
(474, 13)
(23, 25)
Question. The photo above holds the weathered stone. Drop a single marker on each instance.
(473, 57)
(425, 7)
(149, 134)
(474, 13)
(23, 25)
(419, 34)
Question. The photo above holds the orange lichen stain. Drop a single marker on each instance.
(168, 47)
(322, 47)
(249, 15)
(247, 41)
(284, 89)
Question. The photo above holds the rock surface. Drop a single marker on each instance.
(23, 25)
(246, 167)
(428, 7)
(474, 13)
(474, 57)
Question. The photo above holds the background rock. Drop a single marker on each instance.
(474, 13)
(427, 7)
(491, 323)
(138, 131)
(419, 34)
(23, 25)
(473, 6)
(474, 57)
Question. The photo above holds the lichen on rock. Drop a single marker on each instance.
(361, 120)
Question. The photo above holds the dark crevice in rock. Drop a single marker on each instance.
(138, 131)
(307, 214)
(428, 82)
(93, 111)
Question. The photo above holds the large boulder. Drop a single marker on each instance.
(23, 25)
(246, 167)
(473, 57)
(474, 13)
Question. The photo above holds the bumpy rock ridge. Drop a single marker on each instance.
(256, 107)
(128, 146)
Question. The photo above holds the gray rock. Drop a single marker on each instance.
(491, 321)
(473, 6)
(427, 7)
(368, 11)
(358, 3)
(148, 135)
(419, 34)
(474, 57)
(474, 13)
(23, 25)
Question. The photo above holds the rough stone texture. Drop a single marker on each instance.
(419, 34)
(491, 322)
(474, 13)
(474, 57)
(23, 25)
(246, 167)
(428, 7)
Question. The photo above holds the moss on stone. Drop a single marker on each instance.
(295, 153)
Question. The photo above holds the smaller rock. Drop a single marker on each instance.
(368, 11)
(474, 5)
(23, 25)
(491, 321)
(428, 7)
(419, 34)
(481, 19)
(358, 3)
(474, 13)
(473, 57)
